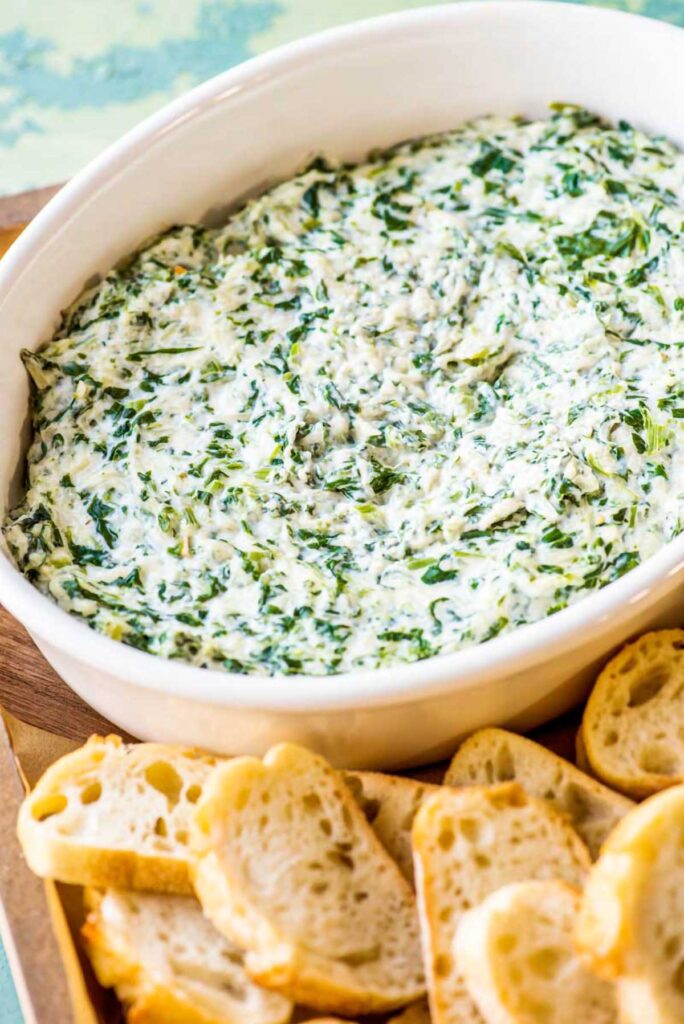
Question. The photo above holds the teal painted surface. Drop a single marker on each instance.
(123, 72)
(76, 74)
(9, 1006)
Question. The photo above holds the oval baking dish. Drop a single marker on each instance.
(343, 93)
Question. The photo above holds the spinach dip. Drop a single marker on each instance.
(387, 411)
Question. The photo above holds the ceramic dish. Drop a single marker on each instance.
(342, 92)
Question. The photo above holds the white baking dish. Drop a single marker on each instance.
(342, 92)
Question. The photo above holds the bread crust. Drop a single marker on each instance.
(111, 869)
(416, 1013)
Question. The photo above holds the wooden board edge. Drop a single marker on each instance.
(18, 209)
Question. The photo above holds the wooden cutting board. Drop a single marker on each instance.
(32, 691)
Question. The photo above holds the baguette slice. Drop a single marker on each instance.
(60, 824)
(390, 803)
(115, 814)
(169, 965)
(495, 755)
(288, 868)
(519, 964)
(631, 925)
(468, 843)
(633, 725)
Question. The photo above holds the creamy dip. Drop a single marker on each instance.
(388, 411)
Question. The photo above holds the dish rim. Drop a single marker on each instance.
(523, 647)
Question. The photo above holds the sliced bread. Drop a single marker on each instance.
(287, 867)
(468, 843)
(115, 814)
(631, 925)
(633, 725)
(516, 952)
(78, 825)
(390, 804)
(169, 965)
(495, 755)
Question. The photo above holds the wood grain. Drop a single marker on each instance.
(32, 691)
(17, 210)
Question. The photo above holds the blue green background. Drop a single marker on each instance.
(76, 74)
